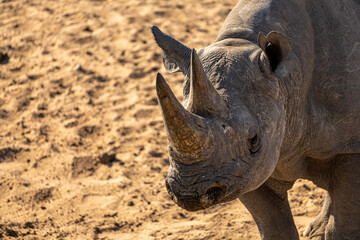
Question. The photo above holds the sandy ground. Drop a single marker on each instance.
(83, 149)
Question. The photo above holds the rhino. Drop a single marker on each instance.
(274, 99)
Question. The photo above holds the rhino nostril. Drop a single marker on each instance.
(212, 195)
(215, 192)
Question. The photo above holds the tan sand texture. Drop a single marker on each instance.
(83, 150)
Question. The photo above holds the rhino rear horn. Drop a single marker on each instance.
(203, 98)
(187, 133)
(176, 56)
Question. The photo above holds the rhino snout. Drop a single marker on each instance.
(197, 200)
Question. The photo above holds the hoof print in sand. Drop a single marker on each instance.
(8, 154)
(87, 165)
(87, 131)
(43, 194)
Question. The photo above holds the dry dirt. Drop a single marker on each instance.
(83, 150)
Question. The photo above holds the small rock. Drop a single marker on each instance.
(79, 68)
(107, 158)
(88, 29)
(4, 58)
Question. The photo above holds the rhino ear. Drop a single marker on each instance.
(276, 50)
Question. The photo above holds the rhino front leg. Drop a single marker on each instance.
(270, 209)
(344, 220)
(317, 228)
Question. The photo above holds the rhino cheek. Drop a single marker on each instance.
(265, 166)
(272, 124)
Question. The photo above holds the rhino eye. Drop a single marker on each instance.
(253, 142)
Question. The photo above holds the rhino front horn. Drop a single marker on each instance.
(187, 133)
(203, 98)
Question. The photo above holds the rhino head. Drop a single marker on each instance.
(224, 140)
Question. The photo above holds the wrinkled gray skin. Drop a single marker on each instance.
(275, 98)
